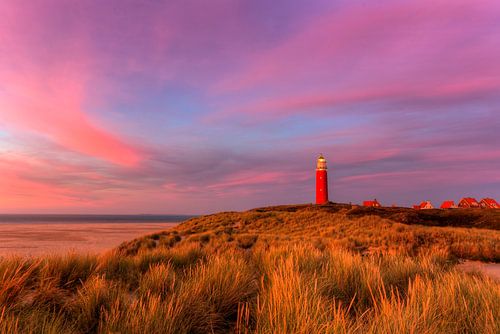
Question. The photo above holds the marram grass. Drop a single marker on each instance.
(260, 273)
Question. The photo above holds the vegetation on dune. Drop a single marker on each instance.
(479, 218)
(335, 225)
(271, 271)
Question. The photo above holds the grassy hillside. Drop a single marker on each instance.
(358, 229)
(436, 217)
(289, 269)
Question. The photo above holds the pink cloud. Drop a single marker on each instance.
(20, 190)
(49, 97)
(17, 193)
(373, 52)
(249, 178)
(378, 75)
(383, 177)
(428, 177)
(276, 107)
(49, 184)
(55, 110)
(240, 181)
(241, 188)
(359, 35)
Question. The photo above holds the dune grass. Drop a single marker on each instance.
(364, 234)
(267, 272)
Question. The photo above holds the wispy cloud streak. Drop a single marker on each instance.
(188, 106)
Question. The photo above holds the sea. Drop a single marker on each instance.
(83, 219)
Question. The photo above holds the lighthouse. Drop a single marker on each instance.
(321, 181)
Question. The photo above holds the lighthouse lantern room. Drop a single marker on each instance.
(321, 181)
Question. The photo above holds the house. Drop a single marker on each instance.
(373, 203)
(425, 205)
(448, 205)
(468, 202)
(489, 203)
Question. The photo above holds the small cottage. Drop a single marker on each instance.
(448, 205)
(373, 203)
(425, 205)
(468, 202)
(489, 203)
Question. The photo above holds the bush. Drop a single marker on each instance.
(204, 238)
(247, 241)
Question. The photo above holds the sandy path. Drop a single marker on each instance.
(489, 269)
(37, 239)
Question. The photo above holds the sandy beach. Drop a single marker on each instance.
(46, 238)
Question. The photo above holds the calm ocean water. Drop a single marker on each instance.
(84, 219)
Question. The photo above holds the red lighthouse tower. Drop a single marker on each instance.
(321, 181)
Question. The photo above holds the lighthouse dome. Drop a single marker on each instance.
(321, 164)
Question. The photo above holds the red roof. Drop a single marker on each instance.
(468, 201)
(424, 204)
(490, 202)
(371, 203)
(447, 204)
(416, 207)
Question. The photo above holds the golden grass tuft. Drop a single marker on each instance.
(289, 271)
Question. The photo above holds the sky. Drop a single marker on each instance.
(202, 106)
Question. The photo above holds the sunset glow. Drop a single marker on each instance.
(201, 106)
